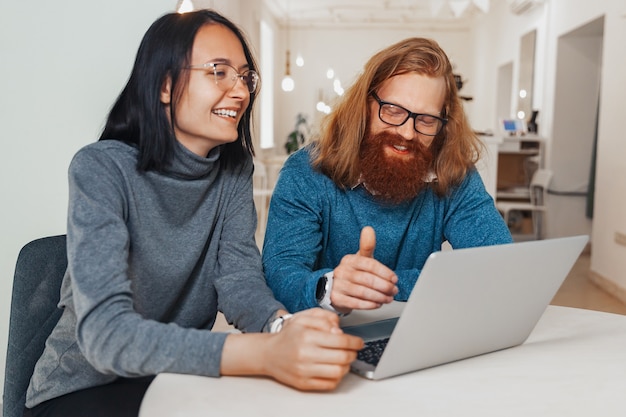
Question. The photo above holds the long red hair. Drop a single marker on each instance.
(456, 148)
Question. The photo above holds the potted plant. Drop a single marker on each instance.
(297, 137)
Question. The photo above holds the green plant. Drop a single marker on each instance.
(297, 136)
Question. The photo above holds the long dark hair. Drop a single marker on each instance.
(139, 118)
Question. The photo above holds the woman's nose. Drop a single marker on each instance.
(240, 89)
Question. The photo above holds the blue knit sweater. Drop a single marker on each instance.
(313, 223)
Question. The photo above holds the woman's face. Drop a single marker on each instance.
(208, 113)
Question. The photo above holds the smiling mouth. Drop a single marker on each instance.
(225, 113)
(399, 149)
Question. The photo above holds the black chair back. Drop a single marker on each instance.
(39, 271)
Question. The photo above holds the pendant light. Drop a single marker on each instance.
(184, 6)
(287, 84)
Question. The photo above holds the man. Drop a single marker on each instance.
(355, 215)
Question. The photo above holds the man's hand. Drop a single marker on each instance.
(360, 281)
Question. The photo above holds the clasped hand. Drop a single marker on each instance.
(311, 352)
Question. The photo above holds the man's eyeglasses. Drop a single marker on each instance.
(396, 115)
(226, 75)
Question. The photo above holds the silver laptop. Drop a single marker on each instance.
(466, 302)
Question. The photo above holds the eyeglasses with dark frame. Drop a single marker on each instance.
(226, 75)
(395, 115)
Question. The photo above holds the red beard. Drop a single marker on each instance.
(394, 178)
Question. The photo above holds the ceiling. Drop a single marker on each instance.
(423, 14)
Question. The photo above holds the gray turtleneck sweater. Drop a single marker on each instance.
(152, 257)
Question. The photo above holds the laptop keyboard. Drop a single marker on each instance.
(372, 351)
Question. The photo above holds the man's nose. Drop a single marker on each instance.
(407, 130)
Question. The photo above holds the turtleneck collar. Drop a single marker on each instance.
(186, 164)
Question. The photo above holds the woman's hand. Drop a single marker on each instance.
(310, 353)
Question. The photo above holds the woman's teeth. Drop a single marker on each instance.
(224, 112)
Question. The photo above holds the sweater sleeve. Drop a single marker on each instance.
(243, 294)
(471, 218)
(291, 248)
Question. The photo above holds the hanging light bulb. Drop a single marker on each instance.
(184, 6)
(337, 87)
(287, 83)
(320, 101)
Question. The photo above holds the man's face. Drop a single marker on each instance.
(396, 159)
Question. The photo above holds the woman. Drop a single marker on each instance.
(161, 236)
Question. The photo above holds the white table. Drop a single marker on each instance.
(573, 364)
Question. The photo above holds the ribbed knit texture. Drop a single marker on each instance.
(152, 257)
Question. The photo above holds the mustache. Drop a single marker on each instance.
(388, 138)
(390, 179)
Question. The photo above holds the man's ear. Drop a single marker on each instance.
(166, 91)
